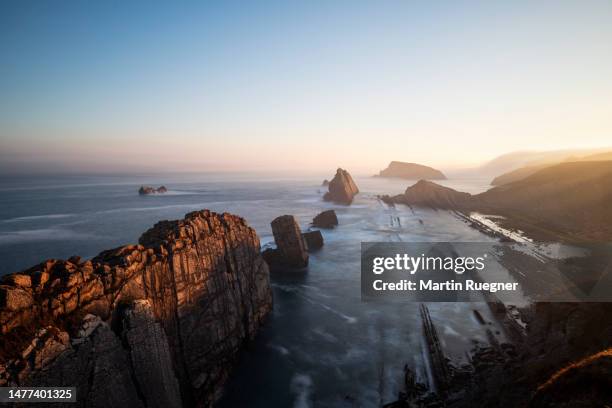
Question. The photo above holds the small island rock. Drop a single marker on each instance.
(342, 188)
(412, 171)
(144, 190)
(290, 246)
(313, 239)
(326, 219)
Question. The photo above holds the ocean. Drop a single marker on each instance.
(322, 345)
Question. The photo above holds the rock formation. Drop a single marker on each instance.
(564, 360)
(154, 324)
(325, 183)
(313, 240)
(427, 194)
(290, 248)
(325, 219)
(143, 190)
(342, 188)
(412, 171)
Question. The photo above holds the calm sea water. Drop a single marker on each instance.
(322, 346)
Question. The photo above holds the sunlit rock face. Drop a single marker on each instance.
(342, 188)
(154, 324)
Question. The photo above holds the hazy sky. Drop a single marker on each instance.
(306, 85)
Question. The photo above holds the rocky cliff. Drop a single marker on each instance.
(157, 324)
(342, 188)
(412, 171)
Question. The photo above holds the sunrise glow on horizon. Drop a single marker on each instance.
(115, 86)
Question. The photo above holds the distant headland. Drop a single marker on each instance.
(411, 171)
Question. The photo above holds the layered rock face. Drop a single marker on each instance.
(290, 249)
(342, 188)
(326, 219)
(154, 324)
(412, 171)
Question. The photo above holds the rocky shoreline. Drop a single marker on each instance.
(556, 354)
(563, 359)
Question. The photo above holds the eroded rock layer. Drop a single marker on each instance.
(154, 324)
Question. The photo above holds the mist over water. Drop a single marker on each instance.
(322, 345)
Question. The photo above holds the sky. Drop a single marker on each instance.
(312, 85)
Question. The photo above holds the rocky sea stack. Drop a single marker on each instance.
(326, 219)
(411, 171)
(144, 190)
(313, 240)
(158, 324)
(291, 250)
(342, 188)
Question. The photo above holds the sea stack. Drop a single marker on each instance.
(158, 324)
(290, 249)
(326, 219)
(342, 188)
(313, 240)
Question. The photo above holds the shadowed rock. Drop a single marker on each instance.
(290, 246)
(342, 188)
(326, 219)
(313, 239)
(427, 194)
(150, 356)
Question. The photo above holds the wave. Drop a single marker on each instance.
(282, 350)
(349, 319)
(160, 207)
(300, 293)
(301, 385)
(44, 234)
(38, 217)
